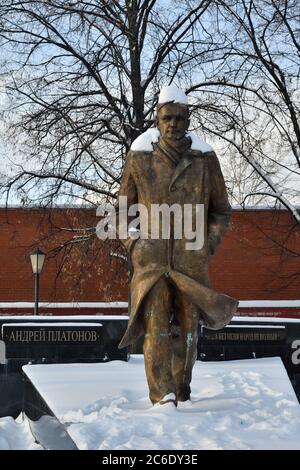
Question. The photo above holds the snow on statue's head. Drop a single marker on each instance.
(171, 94)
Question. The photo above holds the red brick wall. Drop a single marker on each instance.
(250, 264)
(81, 272)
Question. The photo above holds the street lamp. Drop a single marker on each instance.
(37, 259)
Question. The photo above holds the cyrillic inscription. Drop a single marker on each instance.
(49, 335)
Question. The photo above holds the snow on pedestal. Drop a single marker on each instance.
(246, 404)
(16, 435)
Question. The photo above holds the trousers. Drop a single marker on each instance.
(170, 344)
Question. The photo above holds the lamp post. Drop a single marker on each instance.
(37, 259)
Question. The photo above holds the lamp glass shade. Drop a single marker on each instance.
(37, 259)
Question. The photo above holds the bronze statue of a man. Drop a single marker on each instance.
(169, 290)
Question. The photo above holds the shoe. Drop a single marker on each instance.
(170, 398)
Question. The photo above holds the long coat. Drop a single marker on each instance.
(149, 178)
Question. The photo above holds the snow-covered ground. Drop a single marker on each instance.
(16, 435)
(248, 404)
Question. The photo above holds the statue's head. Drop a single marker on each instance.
(172, 116)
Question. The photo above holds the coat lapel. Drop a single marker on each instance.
(184, 163)
(161, 155)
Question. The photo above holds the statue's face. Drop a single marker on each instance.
(173, 121)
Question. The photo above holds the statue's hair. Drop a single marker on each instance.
(161, 105)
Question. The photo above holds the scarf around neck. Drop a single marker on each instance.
(175, 151)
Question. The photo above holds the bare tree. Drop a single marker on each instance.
(252, 95)
(82, 78)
